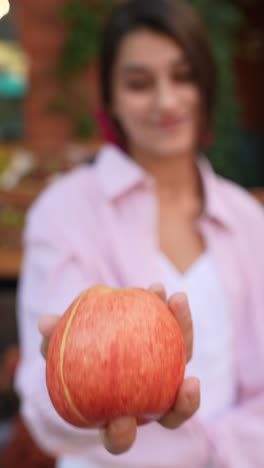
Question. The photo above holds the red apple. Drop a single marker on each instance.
(115, 352)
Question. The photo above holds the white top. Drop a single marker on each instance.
(212, 358)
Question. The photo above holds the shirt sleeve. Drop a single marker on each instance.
(238, 435)
(51, 278)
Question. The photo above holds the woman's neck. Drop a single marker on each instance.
(175, 178)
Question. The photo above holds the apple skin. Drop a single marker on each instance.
(115, 352)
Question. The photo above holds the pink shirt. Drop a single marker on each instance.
(99, 225)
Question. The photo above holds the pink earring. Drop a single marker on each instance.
(208, 139)
(106, 128)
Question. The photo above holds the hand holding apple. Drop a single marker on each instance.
(121, 431)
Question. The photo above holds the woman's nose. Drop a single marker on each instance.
(166, 96)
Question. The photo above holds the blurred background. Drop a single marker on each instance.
(48, 100)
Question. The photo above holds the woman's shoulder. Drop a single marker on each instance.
(242, 205)
(233, 204)
(66, 196)
(241, 196)
(72, 185)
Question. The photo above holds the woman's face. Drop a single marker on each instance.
(154, 98)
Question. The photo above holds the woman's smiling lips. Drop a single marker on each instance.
(170, 123)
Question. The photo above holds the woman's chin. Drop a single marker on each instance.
(167, 151)
(168, 146)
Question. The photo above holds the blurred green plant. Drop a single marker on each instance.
(83, 20)
(223, 20)
(11, 217)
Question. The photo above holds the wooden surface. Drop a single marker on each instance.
(18, 200)
(10, 262)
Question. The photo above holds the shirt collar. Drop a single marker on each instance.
(118, 174)
(216, 206)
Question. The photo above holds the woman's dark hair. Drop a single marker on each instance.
(173, 18)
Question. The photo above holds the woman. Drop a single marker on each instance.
(150, 209)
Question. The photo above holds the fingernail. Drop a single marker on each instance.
(156, 286)
(121, 424)
(180, 299)
(193, 394)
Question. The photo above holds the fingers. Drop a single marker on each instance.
(187, 403)
(46, 326)
(119, 435)
(178, 304)
(159, 289)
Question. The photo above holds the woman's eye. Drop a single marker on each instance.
(183, 76)
(138, 85)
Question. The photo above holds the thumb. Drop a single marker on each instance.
(119, 434)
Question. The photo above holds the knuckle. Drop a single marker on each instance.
(189, 352)
(44, 347)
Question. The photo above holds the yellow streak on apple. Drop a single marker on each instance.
(104, 289)
(62, 349)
